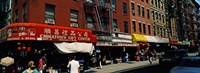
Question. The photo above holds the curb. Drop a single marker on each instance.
(134, 68)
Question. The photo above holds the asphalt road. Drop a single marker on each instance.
(151, 69)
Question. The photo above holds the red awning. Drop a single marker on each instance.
(43, 32)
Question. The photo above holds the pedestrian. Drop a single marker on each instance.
(150, 54)
(99, 60)
(94, 61)
(31, 68)
(154, 54)
(73, 65)
(126, 57)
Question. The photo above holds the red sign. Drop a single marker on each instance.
(31, 31)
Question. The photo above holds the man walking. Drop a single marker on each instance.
(73, 65)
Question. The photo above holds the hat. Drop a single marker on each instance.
(31, 64)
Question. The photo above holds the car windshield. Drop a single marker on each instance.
(190, 63)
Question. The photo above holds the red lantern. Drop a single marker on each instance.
(19, 48)
(28, 49)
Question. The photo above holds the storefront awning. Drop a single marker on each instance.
(139, 38)
(44, 32)
(161, 40)
(151, 39)
(75, 47)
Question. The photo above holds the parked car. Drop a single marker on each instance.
(187, 65)
(172, 57)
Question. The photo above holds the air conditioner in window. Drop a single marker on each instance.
(89, 1)
(116, 30)
(74, 25)
(50, 21)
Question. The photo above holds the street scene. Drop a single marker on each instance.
(99, 36)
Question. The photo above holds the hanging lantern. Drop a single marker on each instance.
(19, 48)
(28, 49)
(24, 47)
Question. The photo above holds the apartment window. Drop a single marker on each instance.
(24, 12)
(163, 19)
(156, 3)
(133, 8)
(162, 6)
(104, 24)
(147, 1)
(102, 2)
(164, 33)
(138, 10)
(16, 16)
(124, 7)
(156, 15)
(158, 30)
(49, 14)
(160, 16)
(144, 28)
(114, 24)
(125, 27)
(134, 26)
(16, 2)
(148, 15)
(153, 15)
(90, 21)
(140, 27)
(142, 0)
(73, 16)
(149, 29)
(154, 30)
(114, 5)
(142, 11)
(161, 32)
(152, 3)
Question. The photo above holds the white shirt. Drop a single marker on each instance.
(73, 65)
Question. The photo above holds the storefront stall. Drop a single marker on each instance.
(30, 41)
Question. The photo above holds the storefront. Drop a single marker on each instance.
(29, 41)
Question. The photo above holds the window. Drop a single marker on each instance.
(90, 21)
(147, 1)
(124, 7)
(164, 33)
(153, 15)
(49, 14)
(163, 19)
(16, 16)
(104, 24)
(148, 15)
(142, 11)
(154, 30)
(133, 8)
(156, 15)
(134, 26)
(73, 16)
(114, 5)
(24, 12)
(160, 16)
(158, 30)
(161, 32)
(149, 29)
(125, 27)
(102, 3)
(16, 2)
(156, 3)
(140, 27)
(138, 10)
(142, 0)
(144, 28)
(114, 24)
(152, 3)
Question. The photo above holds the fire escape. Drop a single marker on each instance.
(100, 12)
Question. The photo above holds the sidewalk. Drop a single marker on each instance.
(121, 67)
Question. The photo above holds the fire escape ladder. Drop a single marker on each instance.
(97, 16)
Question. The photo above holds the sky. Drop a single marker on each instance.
(198, 1)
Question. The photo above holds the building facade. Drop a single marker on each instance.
(5, 12)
